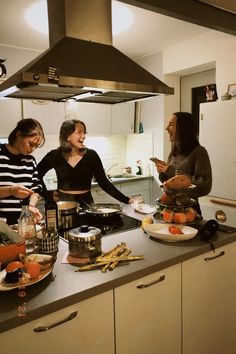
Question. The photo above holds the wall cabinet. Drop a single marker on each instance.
(103, 119)
(10, 114)
(91, 331)
(50, 114)
(209, 302)
(97, 118)
(122, 118)
(148, 314)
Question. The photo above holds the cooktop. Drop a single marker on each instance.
(108, 225)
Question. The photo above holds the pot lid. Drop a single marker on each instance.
(84, 233)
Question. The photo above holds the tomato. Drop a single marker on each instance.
(32, 268)
(175, 230)
(180, 218)
(14, 265)
(168, 215)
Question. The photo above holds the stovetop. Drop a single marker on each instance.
(109, 225)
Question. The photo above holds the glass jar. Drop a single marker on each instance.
(27, 229)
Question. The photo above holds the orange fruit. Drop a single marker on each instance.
(180, 218)
(167, 199)
(12, 266)
(168, 215)
(190, 214)
(33, 269)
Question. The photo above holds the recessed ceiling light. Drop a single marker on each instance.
(122, 18)
(37, 17)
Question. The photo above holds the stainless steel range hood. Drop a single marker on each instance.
(81, 62)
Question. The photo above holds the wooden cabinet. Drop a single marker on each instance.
(122, 118)
(141, 187)
(10, 114)
(50, 114)
(97, 118)
(90, 331)
(209, 302)
(148, 314)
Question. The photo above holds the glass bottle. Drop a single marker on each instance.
(27, 229)
(51, 214)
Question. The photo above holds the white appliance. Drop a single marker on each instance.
(217, 133)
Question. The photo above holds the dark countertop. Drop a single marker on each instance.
(64, 286)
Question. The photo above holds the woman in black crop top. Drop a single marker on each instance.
(76, 166)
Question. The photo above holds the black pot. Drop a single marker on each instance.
(67, 214)
(85, 242)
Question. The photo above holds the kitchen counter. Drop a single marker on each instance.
(51, 185)
(64, 286)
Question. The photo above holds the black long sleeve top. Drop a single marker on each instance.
(80, 176)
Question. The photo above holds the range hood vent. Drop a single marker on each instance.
(81, 63)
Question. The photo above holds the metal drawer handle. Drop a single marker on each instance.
(45, 328)
(141, 286)
(218, 255)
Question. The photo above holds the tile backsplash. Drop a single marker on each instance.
(116, 151)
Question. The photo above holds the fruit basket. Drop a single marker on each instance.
(176, 208)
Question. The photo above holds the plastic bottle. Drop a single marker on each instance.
(26, 228)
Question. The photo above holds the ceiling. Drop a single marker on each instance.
(151, 32)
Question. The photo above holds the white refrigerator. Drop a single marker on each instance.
(217, 133)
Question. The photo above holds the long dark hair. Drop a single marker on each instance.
(67, 128)
(27, 127)
(186, 138)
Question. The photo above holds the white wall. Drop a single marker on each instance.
(208, 48)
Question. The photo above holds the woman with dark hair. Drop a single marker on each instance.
(187, 156)
(18, 170)
(76, 165)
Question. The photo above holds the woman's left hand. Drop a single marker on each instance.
(36, 213)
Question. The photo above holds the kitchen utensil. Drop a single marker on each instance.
(161, 232)
(177, 191)
(104, 209)
(67, 214)
(85, 241)
(48, 243)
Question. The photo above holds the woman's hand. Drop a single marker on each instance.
(36, 214)
(19, 191)
(161, 166)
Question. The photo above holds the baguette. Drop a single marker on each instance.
(178, 182)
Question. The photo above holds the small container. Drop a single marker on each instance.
(85, 242)
(48, 242)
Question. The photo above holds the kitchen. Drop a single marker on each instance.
(163, 106)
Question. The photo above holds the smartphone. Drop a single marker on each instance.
(155, 159)
(226, 228)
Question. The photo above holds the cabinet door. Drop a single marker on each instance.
(209, 302)
(137, 188)
(97, 118)
(100, 196)
(10, 114)
(91, 331)
(122, 118)
(50, 114)
(148, 319)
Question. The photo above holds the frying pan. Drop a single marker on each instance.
(103, 209)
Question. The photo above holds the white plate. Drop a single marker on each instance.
(144, 208)
(161, 232)
(44, 274)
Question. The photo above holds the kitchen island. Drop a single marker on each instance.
(65, 288)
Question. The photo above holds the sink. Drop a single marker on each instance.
(121, 177)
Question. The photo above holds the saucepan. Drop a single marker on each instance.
(67, 214)
(103, 209)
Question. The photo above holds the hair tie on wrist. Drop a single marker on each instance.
(10, 190)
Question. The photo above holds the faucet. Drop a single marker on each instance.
(109, 169)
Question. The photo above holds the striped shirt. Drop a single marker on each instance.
(16, 169)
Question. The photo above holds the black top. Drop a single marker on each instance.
(80, 176)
